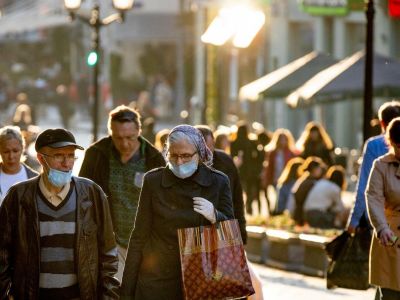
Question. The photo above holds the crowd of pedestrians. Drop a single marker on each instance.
(111, 232)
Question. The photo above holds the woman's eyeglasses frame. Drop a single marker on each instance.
(185, 157)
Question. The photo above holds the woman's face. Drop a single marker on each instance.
(10, 152)
(182, 152)
(317, 172)
(314, 134)
(282, 141)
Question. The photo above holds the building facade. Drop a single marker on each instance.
(294, 33)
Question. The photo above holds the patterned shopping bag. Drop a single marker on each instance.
(213, 263)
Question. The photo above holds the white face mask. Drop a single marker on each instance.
(184, 170)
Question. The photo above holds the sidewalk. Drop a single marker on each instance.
(284, 285)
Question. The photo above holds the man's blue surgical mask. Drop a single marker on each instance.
(59, 178)
(184, 170)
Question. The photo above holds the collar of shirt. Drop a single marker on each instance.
(137, 155)
(51, 196)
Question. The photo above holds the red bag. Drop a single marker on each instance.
(213, 263)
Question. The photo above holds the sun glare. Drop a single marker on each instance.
(241, 23)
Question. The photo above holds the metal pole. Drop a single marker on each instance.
(234, 75)
(200, 68)
(96, 24)
(180, 59)
(368, 75)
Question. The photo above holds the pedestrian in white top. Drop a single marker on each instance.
(12, 170)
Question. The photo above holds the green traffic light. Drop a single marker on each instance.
(92, 58)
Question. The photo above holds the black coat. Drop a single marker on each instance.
(251, 167)
(152, 269)
(224, 163)
(96, 165)
(95, 248)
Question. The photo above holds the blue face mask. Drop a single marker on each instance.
(59, 178)
(184, 170)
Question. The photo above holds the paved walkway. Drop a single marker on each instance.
(282, 285)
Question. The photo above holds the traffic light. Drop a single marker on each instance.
(92, 58)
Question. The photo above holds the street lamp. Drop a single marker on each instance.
(95, 22)
(368, 75)
(238, 24)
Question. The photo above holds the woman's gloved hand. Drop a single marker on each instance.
(205, 208)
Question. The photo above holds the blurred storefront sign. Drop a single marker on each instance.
(330, 7)
(394, 8)
(356, 5)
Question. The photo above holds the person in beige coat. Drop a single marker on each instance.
(383, 203)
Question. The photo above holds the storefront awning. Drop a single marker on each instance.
(284, 80)
(345, 80)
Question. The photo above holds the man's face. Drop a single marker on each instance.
(61, 159)
(125, 137)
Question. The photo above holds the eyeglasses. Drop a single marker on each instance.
(62, 157)
(184, 157)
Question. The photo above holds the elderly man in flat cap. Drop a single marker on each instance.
(57, 239)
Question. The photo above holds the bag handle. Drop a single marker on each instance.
(216, 224)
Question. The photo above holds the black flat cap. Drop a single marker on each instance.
(56, 138)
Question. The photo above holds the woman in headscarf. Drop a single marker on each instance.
(186, 193)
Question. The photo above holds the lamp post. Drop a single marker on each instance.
(368, 75)
(228, 26)
(96, 23)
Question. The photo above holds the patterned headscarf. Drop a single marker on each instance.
(197, 139)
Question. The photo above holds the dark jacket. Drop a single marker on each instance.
(29, 171)
(224, 163)
(300, 190)
(250, 158)
(152, 269)
(96, 165)
(320, 150)
(95, 249)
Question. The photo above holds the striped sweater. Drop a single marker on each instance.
(58, 278)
